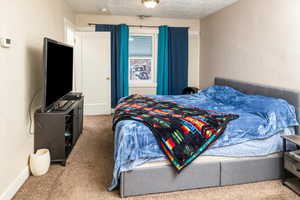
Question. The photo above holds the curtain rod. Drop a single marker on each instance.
(139, 26)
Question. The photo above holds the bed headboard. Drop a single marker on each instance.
(291, 96)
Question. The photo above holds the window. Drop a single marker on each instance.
(141, 60)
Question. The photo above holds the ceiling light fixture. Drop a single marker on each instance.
(150, 3)
(103, 9)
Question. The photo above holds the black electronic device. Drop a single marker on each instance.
(190, 90)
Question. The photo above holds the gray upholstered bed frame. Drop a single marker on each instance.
(158, 179)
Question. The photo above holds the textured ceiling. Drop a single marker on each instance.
(166, 8)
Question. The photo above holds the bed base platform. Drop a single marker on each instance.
(158, 179)
(217, 172)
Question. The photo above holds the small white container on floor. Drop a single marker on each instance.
(40, 162)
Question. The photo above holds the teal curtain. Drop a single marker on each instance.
(163, 62)
(123, 89)
(178, 59)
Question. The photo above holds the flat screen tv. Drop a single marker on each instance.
(58, 72)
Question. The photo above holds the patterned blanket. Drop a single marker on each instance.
(183, 132)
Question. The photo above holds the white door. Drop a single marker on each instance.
(92, 71)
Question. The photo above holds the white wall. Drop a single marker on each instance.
(82, 20)
(26, 22)
(255, 41)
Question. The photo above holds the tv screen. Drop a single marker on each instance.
(58, 68)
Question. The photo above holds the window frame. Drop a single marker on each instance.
(153, 34)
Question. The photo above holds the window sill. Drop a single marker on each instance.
(143, 85)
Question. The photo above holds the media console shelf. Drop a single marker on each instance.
(59, 131)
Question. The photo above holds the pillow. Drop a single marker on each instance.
(268, 108)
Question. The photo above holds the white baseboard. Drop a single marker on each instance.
(97, 109)
(13, 188)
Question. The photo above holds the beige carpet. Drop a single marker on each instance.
(89, 172)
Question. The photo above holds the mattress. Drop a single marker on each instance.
(207, 159)
(269, 147)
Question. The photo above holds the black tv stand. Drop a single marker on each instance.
(58, 130)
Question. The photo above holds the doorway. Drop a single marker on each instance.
(92, 73)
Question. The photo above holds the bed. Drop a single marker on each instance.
(211, 171)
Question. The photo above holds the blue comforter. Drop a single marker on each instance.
(260, 117)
